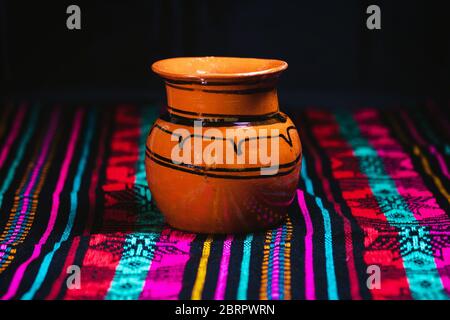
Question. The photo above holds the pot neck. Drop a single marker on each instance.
(226, 99)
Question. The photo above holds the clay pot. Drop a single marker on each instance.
(204, 160)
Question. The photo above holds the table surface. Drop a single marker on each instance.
(370, 219)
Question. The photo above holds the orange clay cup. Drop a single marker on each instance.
(204, 188)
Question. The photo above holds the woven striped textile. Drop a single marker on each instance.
(371, 218)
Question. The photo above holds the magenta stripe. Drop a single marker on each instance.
(276, 265)
(17, 278)
(310, 291)
(165, 278)
(223, 272)
(12, 135)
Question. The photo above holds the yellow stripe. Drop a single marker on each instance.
(287, 259)
(265, 265)
(202, 268)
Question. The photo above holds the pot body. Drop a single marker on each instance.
(223, 159)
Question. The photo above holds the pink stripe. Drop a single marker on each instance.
(12, 135)
(165, 278)
(276, 265)
(310, 291)
(17, 279)
(442, 260)
(223, 275)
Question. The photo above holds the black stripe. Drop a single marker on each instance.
(227, 83)
(225, 122)
(212, 175)
(191, 267)
(240, 117)
(195, 167)
(238, 92)
(178, 87)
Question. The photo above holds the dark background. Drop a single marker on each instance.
(331, 54)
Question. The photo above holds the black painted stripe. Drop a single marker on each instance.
(222, 115)
(237, 92)
(225, 83)
(225, 122)
(212, 175)
(150, 153)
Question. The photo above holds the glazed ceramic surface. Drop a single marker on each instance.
(208, 190)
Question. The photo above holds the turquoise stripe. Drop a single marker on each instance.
(329, 263)
(131, 272)
(43, 270)
(138, 252)
(415, 241)
(308, 182)
(31, 125)
(245, 268)
(328, 241)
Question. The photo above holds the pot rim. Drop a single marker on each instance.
(202, 69)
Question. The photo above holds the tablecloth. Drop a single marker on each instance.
(370, 219)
